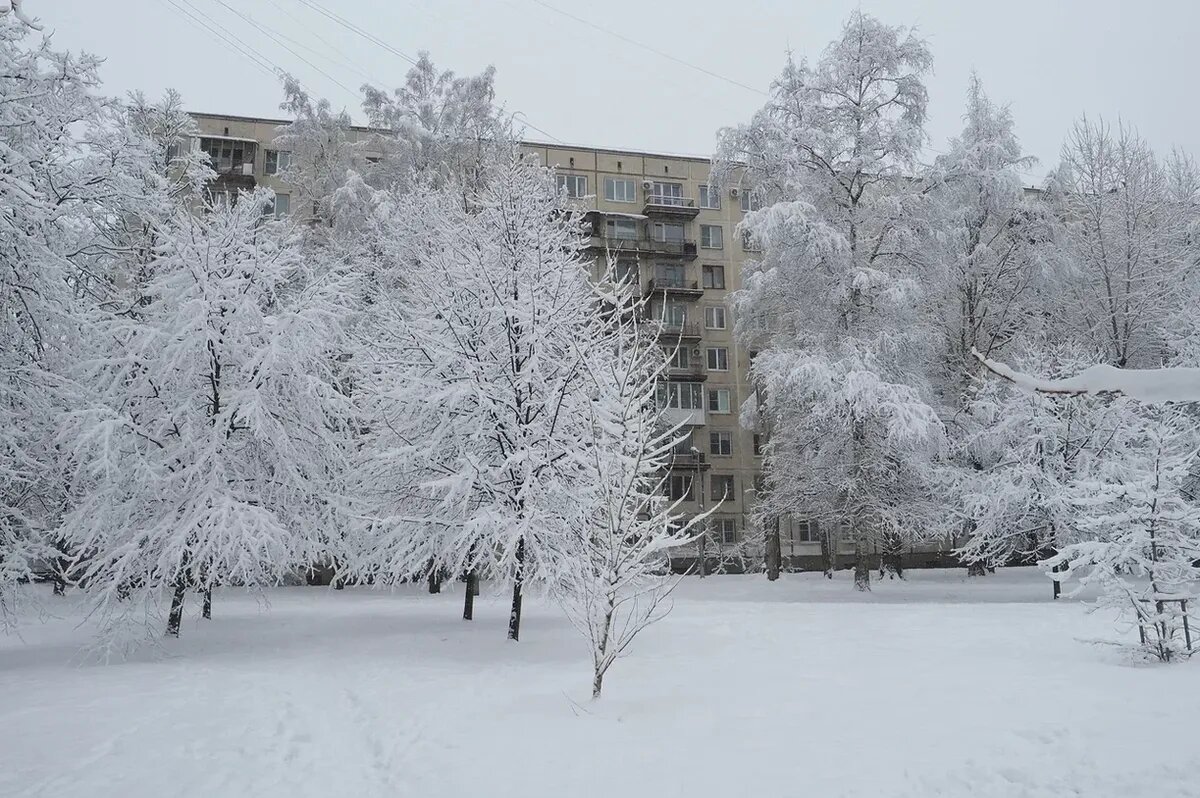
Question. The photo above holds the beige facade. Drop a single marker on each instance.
(654, 213)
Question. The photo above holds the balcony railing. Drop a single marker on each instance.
(673, 330)
(670, 205)
(693, 372)
(682, 459)
(679, 247)
(673, 284)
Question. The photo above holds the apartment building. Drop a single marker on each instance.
(660, 218)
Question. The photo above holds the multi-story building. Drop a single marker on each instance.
(661, 220)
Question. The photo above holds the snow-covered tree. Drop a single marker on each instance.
(832, 307)
(1140, 524)
(436, 127)
(211, 450)
(47, 196)
(472, 381)
(616, 575)
(1019, 455)
(1128, 239)
(994, 239)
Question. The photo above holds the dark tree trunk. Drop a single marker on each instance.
(469, 595)
(435, 580)
(60, 585)
(175, 617)
(828, 553)
(862, 568)
(597, 684)
(774, 551)
(514, 615)
(976, 568)
(206, 612)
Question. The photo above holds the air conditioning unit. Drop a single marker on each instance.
(647, 184)
(696, 353)
(734, 192)
(248, 169)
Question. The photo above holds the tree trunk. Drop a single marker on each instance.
(976, 568)
(175, 617)
(862, 569)
(206, 612)
(469, 595)
(828, 553)
(597, 683)
(774, 551)
(514, 615)
(60, 585)
(435, 580)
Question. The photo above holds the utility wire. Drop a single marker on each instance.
(276, 38)
(199, 22)
(346, 61)
(647, 47)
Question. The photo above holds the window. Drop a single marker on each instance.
(714, 318)
(805, 530)
(672, 275)
(725, 530)
(758, 444)
(620, 228)
(679, 486)
(710, 197)
(574, 185)
(748, 201)
(720, 443)
(722, 487)
(718, 358)
(711, 236)
(718, 400)
(667, 194)
(681, 395)
(668, 231)
(627, 271)
(679, 359)
(229, 155)
(618, 189)
(373, 159)
(714, 277)
(277, 161)
(674, 314)
(282, 205)
(749, 243)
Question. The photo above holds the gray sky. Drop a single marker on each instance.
(1052, 61)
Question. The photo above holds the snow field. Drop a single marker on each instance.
(938, 686)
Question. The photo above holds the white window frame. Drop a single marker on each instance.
(283, 159)
(709, 228)
(682, 395)
(711, 313)
(718, 355)
(731, 495)
(710, 197)
(681, 479)
(572, 184)
(722, 407)
(709, 268)
(611, 193)
(660, 229)
(612, 223)
(663, 192)
(725, 530)
(681, 358)
(278, 212)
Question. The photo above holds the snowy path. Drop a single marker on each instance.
(935, 687)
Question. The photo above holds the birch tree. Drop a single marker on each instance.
(832, 306)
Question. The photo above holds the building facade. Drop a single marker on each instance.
(661, 220)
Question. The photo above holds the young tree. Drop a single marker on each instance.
(474, 392)
(616, 575)
(212, 450)
(832, 307)
(1140, 526)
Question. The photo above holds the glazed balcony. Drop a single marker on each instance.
(667, 206)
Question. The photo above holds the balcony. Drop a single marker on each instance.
(679, 415)
(688, 331)
(679, 248)
(668, 206)
(684, 288)
(691, 373)
(689, 459)
(232, 159)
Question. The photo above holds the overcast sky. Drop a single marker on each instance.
(1052, 61)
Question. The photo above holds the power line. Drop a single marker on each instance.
(199, 22)
(350, 26)
(276, 38)
(647, 47)
(346, 61)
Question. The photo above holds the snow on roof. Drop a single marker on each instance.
(225, 138)
(1150, 386)
(621, 215)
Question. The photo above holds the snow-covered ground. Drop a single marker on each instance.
(938, 686)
